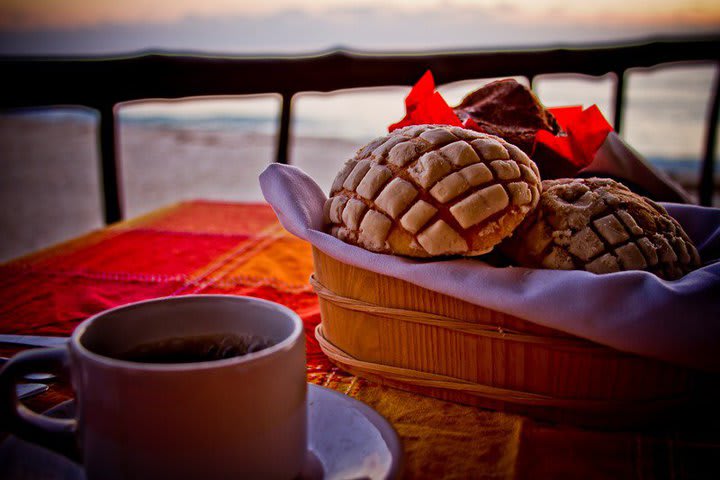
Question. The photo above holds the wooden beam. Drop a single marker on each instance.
(102, 82)
(92, 81)
(109, 166)
(284, 130)
(707, 172)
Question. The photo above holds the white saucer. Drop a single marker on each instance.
(347, 440)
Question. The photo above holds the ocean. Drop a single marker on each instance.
(214, 148)
(665, 111)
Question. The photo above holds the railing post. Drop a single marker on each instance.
(108, 165)
(707, 173)
(619, 100)
(284, 133)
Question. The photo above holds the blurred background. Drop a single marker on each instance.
(214, 148)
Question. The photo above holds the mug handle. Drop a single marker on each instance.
(53, 433)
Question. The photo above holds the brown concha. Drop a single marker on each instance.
(509, 110)
(599, 225)
(432, 190)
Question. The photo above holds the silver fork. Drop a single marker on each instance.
(34, 340)
(33, 377)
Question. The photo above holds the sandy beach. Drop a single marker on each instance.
(161, 166)
(49, 185)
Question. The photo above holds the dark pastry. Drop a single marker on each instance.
(599, 225)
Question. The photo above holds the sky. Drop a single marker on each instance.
(293, 26)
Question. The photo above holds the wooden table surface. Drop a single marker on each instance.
(240, 249)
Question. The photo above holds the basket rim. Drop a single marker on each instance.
(557, 342)
(423, 379)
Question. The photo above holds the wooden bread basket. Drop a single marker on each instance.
(401, 335)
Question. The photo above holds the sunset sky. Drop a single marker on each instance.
(20, 14)
(247, 26)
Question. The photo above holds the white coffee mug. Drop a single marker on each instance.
(241, 417)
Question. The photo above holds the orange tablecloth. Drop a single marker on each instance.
(240, 249)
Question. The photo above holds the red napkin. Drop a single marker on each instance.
(424, 105)
(585, 130)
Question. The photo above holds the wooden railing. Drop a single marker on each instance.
(102, 82)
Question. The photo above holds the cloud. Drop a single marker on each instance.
(300, 31)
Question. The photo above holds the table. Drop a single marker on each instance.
(241, 249)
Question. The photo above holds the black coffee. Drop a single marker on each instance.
(196, 349)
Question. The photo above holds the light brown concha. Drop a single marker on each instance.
(599, 225)
(432, 190)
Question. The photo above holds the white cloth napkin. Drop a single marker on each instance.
(635, 312)
(618, 160)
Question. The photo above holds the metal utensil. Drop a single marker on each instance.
(33, 377)
(25, 390)
(34, 340)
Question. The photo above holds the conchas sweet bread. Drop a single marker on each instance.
(599, 225)
(431, 190)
